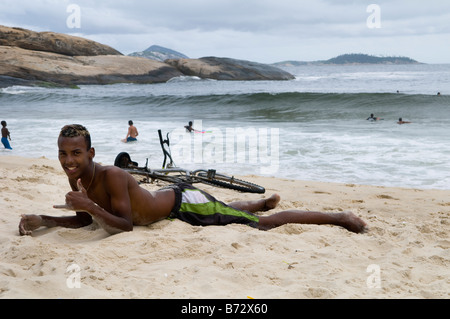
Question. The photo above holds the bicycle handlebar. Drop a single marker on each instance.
(161, 141)
(165, 152)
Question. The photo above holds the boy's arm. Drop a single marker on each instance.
(117, 220)
(29, 223)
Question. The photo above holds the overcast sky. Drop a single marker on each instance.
(265, 31)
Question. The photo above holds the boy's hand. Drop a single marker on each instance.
(75, 200)
(28, 223)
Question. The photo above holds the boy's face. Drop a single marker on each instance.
(74, 156)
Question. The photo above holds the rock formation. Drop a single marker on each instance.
(52, 42)
(37, 67)
(229, 69)
(47, 58)
(37, 58)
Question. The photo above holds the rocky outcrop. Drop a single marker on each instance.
(37, 67)
(47, 58)
(53, 42)
(229, 69)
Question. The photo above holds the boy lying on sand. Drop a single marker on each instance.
(115, 200)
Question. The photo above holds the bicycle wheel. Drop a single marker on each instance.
(212, 178)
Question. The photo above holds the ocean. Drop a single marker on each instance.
(312, 128)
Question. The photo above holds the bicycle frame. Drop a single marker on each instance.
(170, 173)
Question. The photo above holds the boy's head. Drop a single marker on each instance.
(75, 152)
(130, 122)
(75, 130)
(4, 123)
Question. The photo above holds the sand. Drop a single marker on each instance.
(405, 254)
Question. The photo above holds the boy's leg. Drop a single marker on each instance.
(259, 205)
(6, 143)
(344, 219)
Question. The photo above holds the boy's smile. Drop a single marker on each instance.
(74, 156)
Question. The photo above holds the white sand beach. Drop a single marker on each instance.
(405, 253)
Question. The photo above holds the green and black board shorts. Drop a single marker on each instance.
(199, 208)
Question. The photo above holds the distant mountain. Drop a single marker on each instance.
(158, 53)
(347, 59)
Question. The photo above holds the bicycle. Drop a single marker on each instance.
(173, 174)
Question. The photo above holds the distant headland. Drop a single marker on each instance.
(159, 53)
(353, 59)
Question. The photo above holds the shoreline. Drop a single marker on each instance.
(248, 176)
(407, 245)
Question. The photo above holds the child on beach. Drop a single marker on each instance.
(114, 199)
(5, 136)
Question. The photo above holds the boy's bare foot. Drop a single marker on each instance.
(353, 223)
(272, 202)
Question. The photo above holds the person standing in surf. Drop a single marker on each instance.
(189, 128)
(5, 136)
(132, 133)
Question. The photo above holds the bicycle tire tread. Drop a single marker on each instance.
(234, 184)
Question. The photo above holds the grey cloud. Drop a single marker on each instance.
(236, 27)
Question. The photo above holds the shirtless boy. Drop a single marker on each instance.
(114, 199)
(132, 133)
(5, 136)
